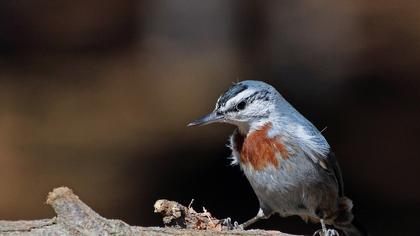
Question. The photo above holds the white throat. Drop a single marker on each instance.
(248, 127)
(243, 127)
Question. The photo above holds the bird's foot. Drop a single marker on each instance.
(231, 225)
(326, 232)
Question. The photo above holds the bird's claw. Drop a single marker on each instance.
(327, 232)
(231, 225)
(238, 226)
(227, 222)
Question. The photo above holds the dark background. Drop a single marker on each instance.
(96, 95)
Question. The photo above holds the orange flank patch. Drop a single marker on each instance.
(259, 150)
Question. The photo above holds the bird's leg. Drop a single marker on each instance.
(324, 231)
(260, 215)
(323, 227)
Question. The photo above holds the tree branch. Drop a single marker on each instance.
(75, 218)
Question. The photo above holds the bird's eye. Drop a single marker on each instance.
(241, 106)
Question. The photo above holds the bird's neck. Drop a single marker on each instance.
(296, 130)
(243, 128)
(249, 127)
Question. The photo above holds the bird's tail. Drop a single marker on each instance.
(345, 220)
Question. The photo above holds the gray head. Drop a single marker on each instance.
(243, 104)
(252, 104)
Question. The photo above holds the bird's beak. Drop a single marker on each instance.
(207, 119)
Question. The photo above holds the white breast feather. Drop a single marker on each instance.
(235, 157)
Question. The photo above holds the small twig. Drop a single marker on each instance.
(189, 205)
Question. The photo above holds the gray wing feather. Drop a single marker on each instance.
(330, 165)
(337, 173)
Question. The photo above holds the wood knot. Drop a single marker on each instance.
(60, 192)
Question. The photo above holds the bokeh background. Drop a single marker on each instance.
(96, 95)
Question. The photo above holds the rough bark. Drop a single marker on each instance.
(75, 218)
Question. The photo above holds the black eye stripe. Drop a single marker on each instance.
(238, 107)
(232, 92)
(260, 95)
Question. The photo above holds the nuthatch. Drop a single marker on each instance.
(287, 161)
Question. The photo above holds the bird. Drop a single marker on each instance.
(286, 159)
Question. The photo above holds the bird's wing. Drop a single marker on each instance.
(316, 148)
(330, 165)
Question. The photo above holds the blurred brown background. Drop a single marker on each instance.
(96, 95)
